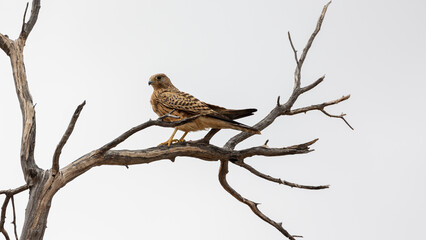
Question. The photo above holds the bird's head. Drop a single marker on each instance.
(160, 80)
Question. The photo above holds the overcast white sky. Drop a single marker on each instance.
(235, 54)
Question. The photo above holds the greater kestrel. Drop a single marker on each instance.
(167, 98)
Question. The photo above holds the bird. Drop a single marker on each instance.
(172, 105)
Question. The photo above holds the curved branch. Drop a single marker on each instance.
(223, 171)
(64, 139)
(277, 180)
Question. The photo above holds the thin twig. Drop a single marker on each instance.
(341, 116)
(64, 139)
(292, 47)
(317, 106)
(312, 85)
(277, 180)
(23, 19)
(3, 216)
(206, 139)
(15, 190)
(321, 107)
(14, 217)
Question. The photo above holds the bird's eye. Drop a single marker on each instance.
(158, 77)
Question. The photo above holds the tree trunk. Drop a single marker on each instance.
(37, 209)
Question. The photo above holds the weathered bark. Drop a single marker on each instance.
(44, 183)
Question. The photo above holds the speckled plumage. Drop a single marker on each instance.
(166, 97)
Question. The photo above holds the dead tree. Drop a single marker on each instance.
(44, 183)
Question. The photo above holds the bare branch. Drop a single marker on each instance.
(312, 85)
(127, 134)
(5, 44)
(297, 91)
(14, 191)
(223, 171)
(320, 107)
(206, 139)
(292, 47)
(341, 116)
(65, 137)
(14, 217)
(27, 27)
(9, 195)
(23, 19)
(3, 217)
(197, 149)
(317, 106)
(314, 34)
(277, 180)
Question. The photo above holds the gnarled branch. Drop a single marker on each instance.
(198, 150)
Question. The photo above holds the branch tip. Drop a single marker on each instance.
(266, 143)
(65, 137)
(23, 19)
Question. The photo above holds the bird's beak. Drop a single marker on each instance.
(150, 82)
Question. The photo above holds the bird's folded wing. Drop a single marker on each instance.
(183, 102)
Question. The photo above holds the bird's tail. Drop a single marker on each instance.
(231, 113)
(243, 127)
(227, 123)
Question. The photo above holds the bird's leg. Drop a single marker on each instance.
(171, 140)
(182, 138)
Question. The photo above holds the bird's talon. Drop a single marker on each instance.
(168, 143)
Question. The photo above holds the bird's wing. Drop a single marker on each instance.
(183, 102)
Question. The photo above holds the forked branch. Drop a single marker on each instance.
(223, 171)
(8, 196)
(28, 26)
(321, 107)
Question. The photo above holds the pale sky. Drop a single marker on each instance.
(234, 54)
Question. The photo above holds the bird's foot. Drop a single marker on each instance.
(168, 142)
